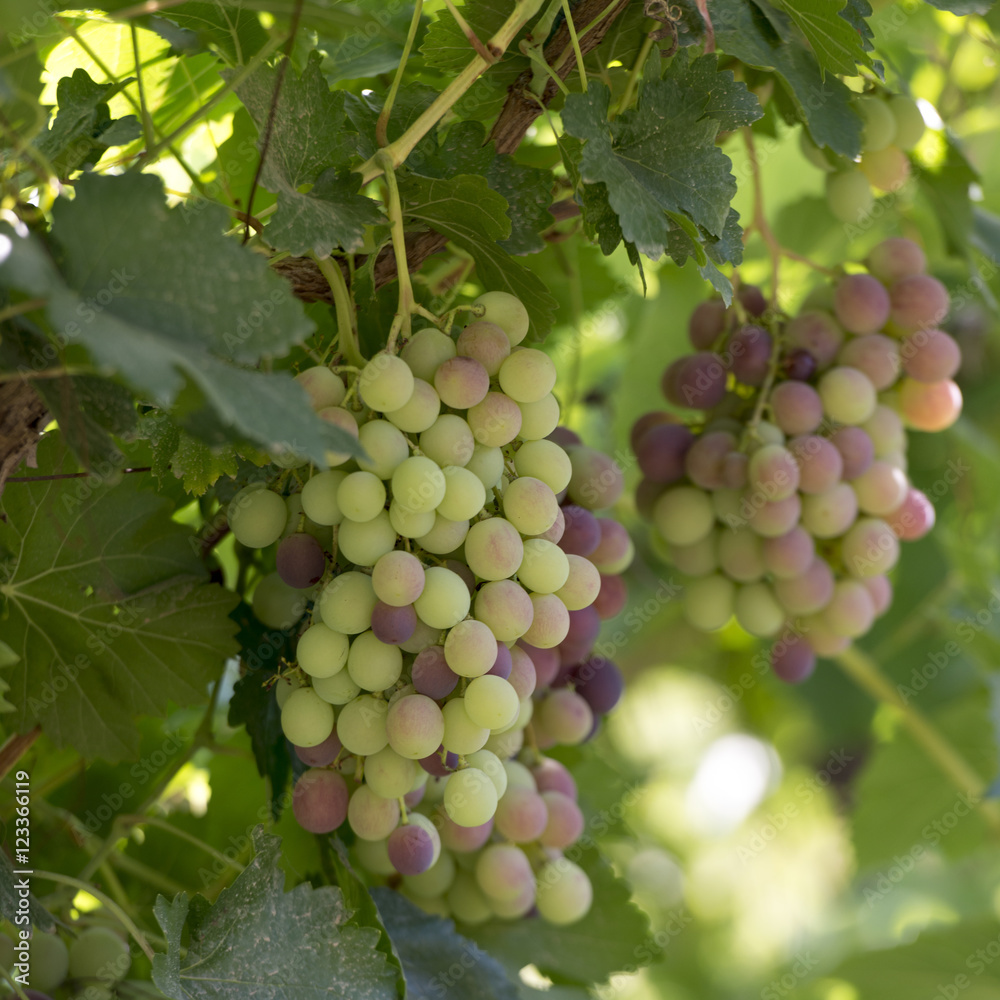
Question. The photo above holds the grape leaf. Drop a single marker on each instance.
(613, 936)
(904, 801)
(742, 30)
(258, 940)
(836, 44)
(465, 210)
(963, 7)
(82, 129)
(446, 48)
(311, 144)
(108, 607)
(436, 959)
(227, 24)
(361, 55)
(661, 157)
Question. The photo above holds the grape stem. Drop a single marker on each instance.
(765, 390)
(382, 125)
(633, 78)
(347, 329)
(864, 671)
(13, 984)
(403, 320)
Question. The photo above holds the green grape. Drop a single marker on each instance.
(848, 395)
(464, 494)
(321, 652)
(372, 664)
(470, 648)
(507, 312)
(684, 515)
(420, 412)
(487, 464)
(565, 716)
(433, 882)
(386, 383)
(880, 124)
(546, 461)
(323, 386)
(494, 549)
(708, 602)
(418, 484)
(257, 516)
(48, 961)
(848, 195)
(371, 816)
(503, 871)
(444, 537)
(448, 441)
(386, 448)
(99, 953)
(506, 744)
(491, 765)
(851, 610)
(319, 498)
(415, 726)
(582, 585)
(306, 719)
(757, 610)
(276, 604)
(870, 548)
(347, 422)
(495, 420)
(564, 892)
(491, 702)
(461, 734)
(361, 495)
(545, 567)
(398, 578)
(519, 776)
(361, 725)
(347, 602)
(530, 505)
(366, 542)
(426, 351)
(528, 375)
(467, 902)
(409, 523)
(506, 608)
(909, 121)
(445, 599)
(470, 797)
(389, 775)
(539, 419)
(374, 856)
(549, 621)
(424, 637)
(284, 686)
(336, 690)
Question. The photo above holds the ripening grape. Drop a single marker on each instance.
(415, 847)
(808, 593)
(544, 567)
(830, 514)
(861, 303)
(470, 649)
(549, 621)
(788, 555)
(930, 356)
(336, 690)
(491, 702)
(345, 421)
(912, 519)
(870, 548)
(370, 816)
(467, 902)
(740, 555)
(820, 464)
(445, 599)
(486, 343)
(418, 484)
(426, 351)
(346, 603)
(495, 421)
(505, 608)
(848, 395)
(797, 407)
(793, 662)
(597, 480)
(751, 348)
(564, 892)
(539, 419)
(256, 516)
(428, 886)
(856, 450)
(386, 382)
(503, 872)
(373, 665)
(546, 461)
(319, 801)
(886, 169)
(470, 797)
(896, 258)
(929, 406)
(461, 734)
(319, 497)
(874, 354)
(851, 610)
(817, 333)
(530, 505)
(683, 515)
(879, 123)
(848, 195)
(880, 489)
(919, 302)
(324, 387)
(521, 815)
(566, 716)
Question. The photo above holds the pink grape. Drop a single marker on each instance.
(735, 470)
(880, 590)
(776, 518)
(797, 407)
(799, 364)
(584, 627)
(913, 518)
(546, 663)
(793, 662)
(486, 343)
(789, 555)
(393, 625)
(612, 598)
(583, 531)
(598, 480)
(661, 451)
(773, 472)
(930, 355)
(521, 815)
(437, 765)
(565, 716)
(319, 801)
(614, 544)
(750, 350)
(565, 821)
(461, 382)
(851, 610)
(300, 561)
(861, 303)
(462, 839)
(896, 258)
(503, 664)
(821, 638)
(818, 333)
(697, 381)
(874, 354)
(522, 677)
(820, 464)
(856, 450)
(880, 489)
(323, 754)
(930, 406)
(830, 514)
(704, 460)
(808, 593)
(707, 321)
(552, 776)
(411, 847)
(870, 548)
(646, 422)
(918, 302)
(564, 437)
(431, 674)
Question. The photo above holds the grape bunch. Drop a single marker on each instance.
(893, 125)
(457, 577)
(785, 499)
(93, 963)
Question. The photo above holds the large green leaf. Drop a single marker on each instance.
(259, 941)
(312, 144)
(232, 27)
(468, 212)
(108, 606)
(836, 44)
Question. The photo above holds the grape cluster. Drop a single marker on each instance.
(458, 578)
(893, 125)
(785, 500)
(93, 963)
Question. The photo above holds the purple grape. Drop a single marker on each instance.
(697, 382)
(600, 682)
(856, 449)
(393, 626)
(707, 321)
(503, 664)
(611, 598)
(704, 460)
(300, 561)
(431, 674)
(546, 663)
(750, 348)
(661, 450)
(319, 801)
(323, 754)
(414, 798)
(818, 333)
(552, 776)
(464, 572)
(564, 437)
(793, 662)
(411, 849)
(799, 364)
(433, 763)
(752, 299)
(735, 470)
(584, 627)
(583, 532)
(861, 303)
(646, 495)
(648, 421)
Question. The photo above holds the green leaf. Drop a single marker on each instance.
(311, 144)
(905, 801)
(234, 29)
(613, 936)
(432, 952)
(959, 961)
(474, 217)
(83, 130)
(178, 454)
(260, 941)
(360, 55)
(10, 897)
(108, 607)
(836, 43)
(743, 31)
(963, 8)
(445, 46)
